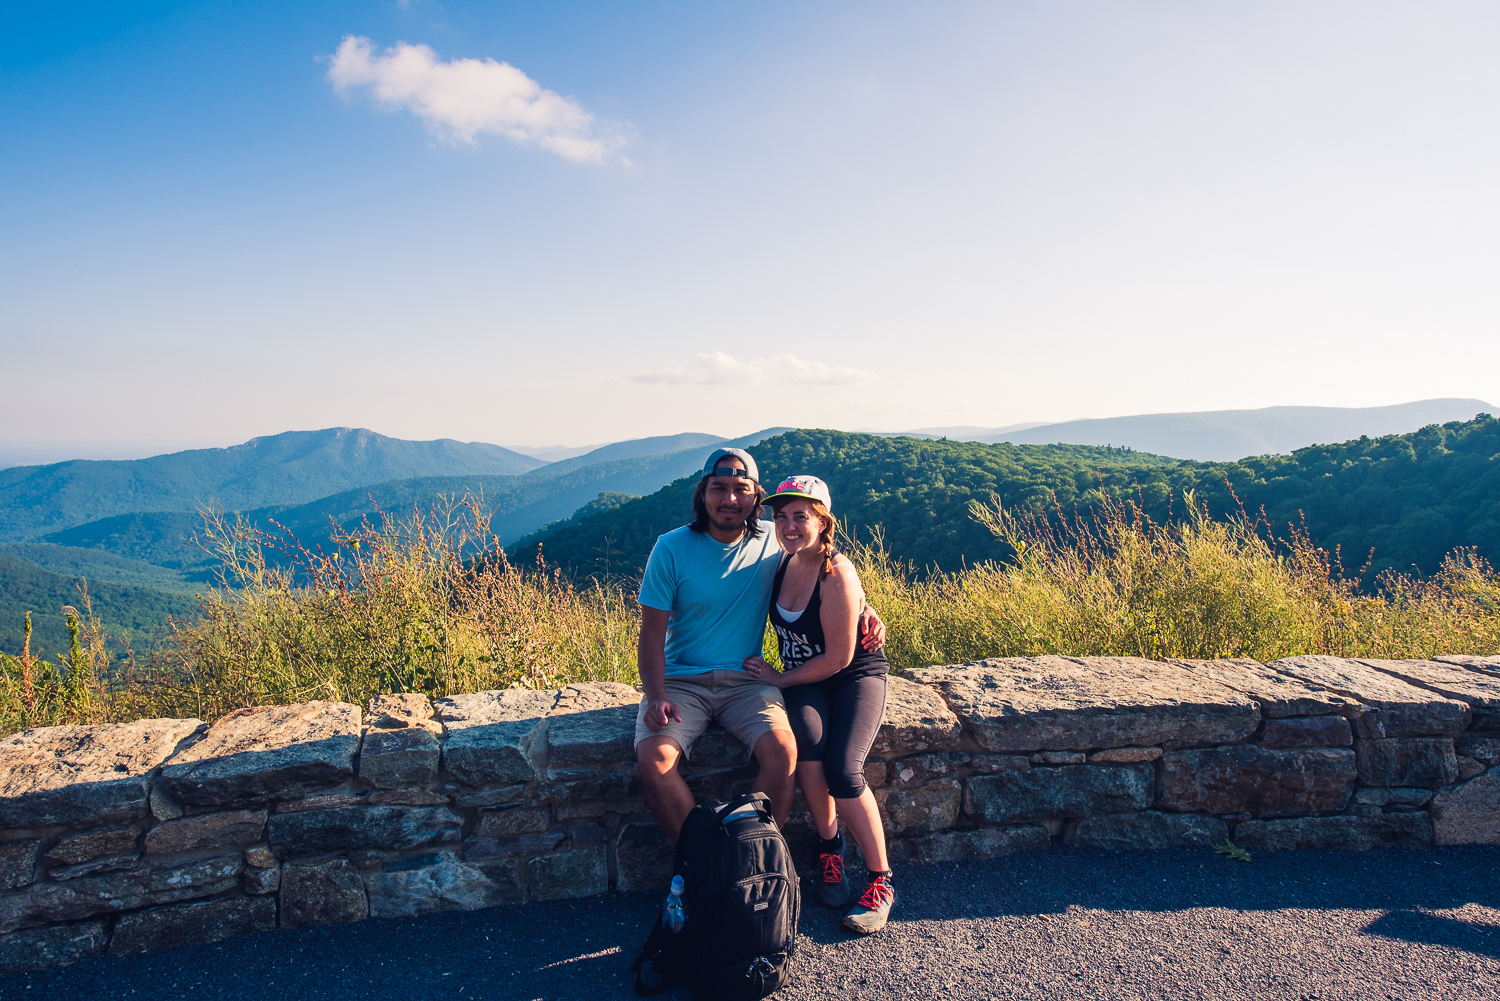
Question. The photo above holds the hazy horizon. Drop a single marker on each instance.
(25, 453)
(525, 224)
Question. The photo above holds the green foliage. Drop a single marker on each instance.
(85, 685)
(968, 550)
(161, 538)
(606, 501)
(1410, 498)
(427, 604)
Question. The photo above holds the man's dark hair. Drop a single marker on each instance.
(700, 509)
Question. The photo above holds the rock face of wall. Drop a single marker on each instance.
(139, 836)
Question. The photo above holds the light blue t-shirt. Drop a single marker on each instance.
(717, 595)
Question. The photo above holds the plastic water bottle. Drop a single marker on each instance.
(674, 914)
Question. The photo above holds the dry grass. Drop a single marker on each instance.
(429, 604)
(1117, 584)
(432, 605)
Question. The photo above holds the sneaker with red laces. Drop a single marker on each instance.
(874, 908)
(833, 884)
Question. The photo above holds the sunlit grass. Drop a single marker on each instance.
(431, 604)
(1117, 584)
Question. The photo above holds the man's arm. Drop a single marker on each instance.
(871, 627)
(651, 661)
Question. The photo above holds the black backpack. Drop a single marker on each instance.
(742, 900)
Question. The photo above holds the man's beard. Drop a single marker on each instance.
(728, 523)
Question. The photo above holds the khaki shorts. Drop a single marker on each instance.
(747, 708)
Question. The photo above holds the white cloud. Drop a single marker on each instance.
(462, 98)
(720, 369)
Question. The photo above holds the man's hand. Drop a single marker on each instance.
(659, 712)
(871, 629)
(758, 669)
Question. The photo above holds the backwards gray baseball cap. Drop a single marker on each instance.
(713, 468)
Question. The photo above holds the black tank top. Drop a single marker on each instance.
(802, 640)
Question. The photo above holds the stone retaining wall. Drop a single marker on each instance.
(138, 836)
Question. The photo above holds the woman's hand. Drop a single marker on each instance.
(758, 669)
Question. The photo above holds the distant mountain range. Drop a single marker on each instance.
(963, 432)
(636, 448)
(290, 468)
(126, 525)
(552, 453)
(518, 504)
(1224, 435)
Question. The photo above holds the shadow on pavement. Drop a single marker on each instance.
(1437, 929)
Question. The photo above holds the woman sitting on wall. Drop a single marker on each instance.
(834, 691)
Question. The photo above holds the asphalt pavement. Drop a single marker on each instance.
(1056, 924)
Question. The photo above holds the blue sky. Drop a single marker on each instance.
(839, 215)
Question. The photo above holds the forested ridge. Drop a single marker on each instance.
(1413, 498)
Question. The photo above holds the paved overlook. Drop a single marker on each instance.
(1056, 924)
(1098, 784)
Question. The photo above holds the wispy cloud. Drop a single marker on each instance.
(463, 98)
(720, 369)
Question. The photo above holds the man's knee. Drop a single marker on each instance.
(658, 758)
(777, 750)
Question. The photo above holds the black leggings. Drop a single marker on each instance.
(835, 722)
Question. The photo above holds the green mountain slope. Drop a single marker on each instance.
(283, 469)
(1413, 497)
(24, 586)
(157, 537)
(98, 565)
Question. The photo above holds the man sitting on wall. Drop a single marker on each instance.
(704, 599)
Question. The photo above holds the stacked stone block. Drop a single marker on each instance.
(124, 838)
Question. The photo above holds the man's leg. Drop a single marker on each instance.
(667, 795)
(776, 752)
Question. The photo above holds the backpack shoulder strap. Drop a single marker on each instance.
(759, 800)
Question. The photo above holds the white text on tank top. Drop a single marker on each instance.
(796, 648)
